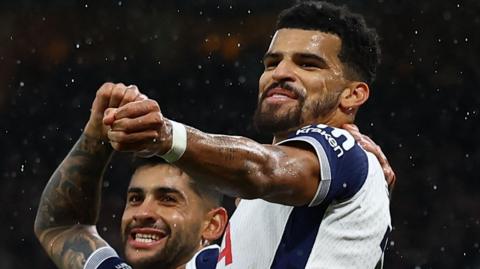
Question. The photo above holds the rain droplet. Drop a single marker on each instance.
(22, 84)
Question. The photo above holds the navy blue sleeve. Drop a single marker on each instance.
(343, 163)
(114, 263)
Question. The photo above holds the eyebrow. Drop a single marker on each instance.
(159, 190)
(135, 190)
(302, 56)
(271, 55)
(310, 56)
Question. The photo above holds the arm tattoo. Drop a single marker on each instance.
(70, 203)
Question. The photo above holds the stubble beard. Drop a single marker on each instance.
(267, 120)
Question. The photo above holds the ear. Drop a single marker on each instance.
(215, 224)
(354, 96)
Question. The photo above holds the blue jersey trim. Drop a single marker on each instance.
(325, 171)
(343, 163)
(207, 258)
(99, 256)
(114, 263)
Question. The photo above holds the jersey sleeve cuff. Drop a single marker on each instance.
(325, 171)
(99, 256)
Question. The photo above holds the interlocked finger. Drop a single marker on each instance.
(117, 95)
(151, 121)
(131, 95)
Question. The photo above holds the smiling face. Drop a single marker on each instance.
(302, 80)
(163, 218)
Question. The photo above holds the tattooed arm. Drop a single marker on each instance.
(69, 206)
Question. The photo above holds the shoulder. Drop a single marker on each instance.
(334, 140)
(343, 163)
(206, 258)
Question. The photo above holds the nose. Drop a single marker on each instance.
(145, 213)
(284, 71)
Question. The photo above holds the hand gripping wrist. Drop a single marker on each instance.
(179, 143)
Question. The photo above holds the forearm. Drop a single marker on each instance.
(72, 195)
(240, 167)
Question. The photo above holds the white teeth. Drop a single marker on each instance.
(146, 238)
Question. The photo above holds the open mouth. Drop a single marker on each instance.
(146, 237)
(281, 93)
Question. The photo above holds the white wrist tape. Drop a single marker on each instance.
(179, 142)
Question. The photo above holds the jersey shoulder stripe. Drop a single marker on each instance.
(343, 163)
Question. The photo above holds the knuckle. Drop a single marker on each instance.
(103, 92)
(152, 135)
(118, 91)
(156, 118)
(152, 105)
(106, 86)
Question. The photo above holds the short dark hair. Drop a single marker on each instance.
(202, 190)
(360, 44)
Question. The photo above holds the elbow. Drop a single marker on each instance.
(41, 224)
(38, 229)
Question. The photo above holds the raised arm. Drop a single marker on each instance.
(237, 166)
(70, 203)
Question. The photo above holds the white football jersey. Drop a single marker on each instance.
(345, 226)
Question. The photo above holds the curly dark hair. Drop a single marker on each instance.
(360, 50)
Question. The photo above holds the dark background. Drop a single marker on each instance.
(201, 61)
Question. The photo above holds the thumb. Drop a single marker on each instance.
(109, 116)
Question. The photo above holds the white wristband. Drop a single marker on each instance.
(179, 142)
